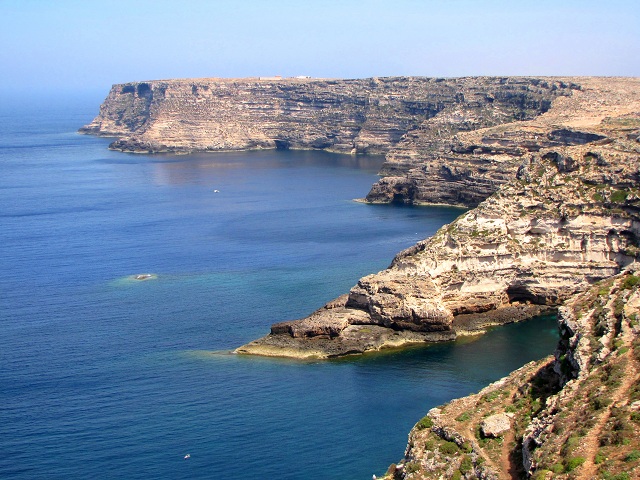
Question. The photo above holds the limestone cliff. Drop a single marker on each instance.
(568, 217)
(431, 166)
(350, 116)
(572, 416)
(552, 167)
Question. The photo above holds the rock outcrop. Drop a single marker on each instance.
(552, 167)
(568, 217)
(349, 116)
(574, 415)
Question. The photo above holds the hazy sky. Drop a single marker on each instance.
(92, 44)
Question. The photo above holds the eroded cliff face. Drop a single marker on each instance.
(568, 217)
(439, 163)
(349, 116)
(551, 164)
(575, 415)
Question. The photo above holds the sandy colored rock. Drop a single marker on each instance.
(495, 425)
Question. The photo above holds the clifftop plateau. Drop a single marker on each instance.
(348, 116)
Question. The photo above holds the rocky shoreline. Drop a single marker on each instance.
(356, 339)
(550, 166)
(568, 217)
(574, 415)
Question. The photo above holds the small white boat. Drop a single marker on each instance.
(187, 456)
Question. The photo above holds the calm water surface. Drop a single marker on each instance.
(102, 376)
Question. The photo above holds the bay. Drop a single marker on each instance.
(104, 376)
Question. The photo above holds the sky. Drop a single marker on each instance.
(92, 44)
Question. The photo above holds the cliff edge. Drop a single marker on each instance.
(348, 116)
(550, 165)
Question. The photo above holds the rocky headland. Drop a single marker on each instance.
(550, 168)
(560, 212)
(550, 165)
(348, 116)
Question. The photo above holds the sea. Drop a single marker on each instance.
(106, 376)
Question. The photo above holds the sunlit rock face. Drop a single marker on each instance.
(565, 217)
(350, 116)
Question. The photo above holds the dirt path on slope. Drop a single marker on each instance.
(591, 442)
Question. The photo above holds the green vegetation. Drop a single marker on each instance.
(618, 431)
(619, 476)
(572, 442)
(425, 422)
(574, 463)
(449, 448)
(557, 468)
(540, 475)
(619, 196)
(632, 456)
(466, 465)
(463, 417)
(630, 282)
(412, 467)
(491, 396)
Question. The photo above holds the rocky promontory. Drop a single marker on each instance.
(550, 165)
(564, 215)
(349, 116)
(551, 170)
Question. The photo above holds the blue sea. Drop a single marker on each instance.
(105, 376)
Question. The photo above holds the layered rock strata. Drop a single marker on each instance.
(550, 163)
(568, 218)
(349, 116)
(573, 415)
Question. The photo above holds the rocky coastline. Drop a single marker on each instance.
(550, 168)
(549, 165)
(573, 415)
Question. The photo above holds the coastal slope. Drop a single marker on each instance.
(575, 415)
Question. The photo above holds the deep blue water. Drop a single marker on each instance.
(102, 376)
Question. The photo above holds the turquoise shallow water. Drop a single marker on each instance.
(102, 376)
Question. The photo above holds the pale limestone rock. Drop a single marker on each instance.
(495, 425)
